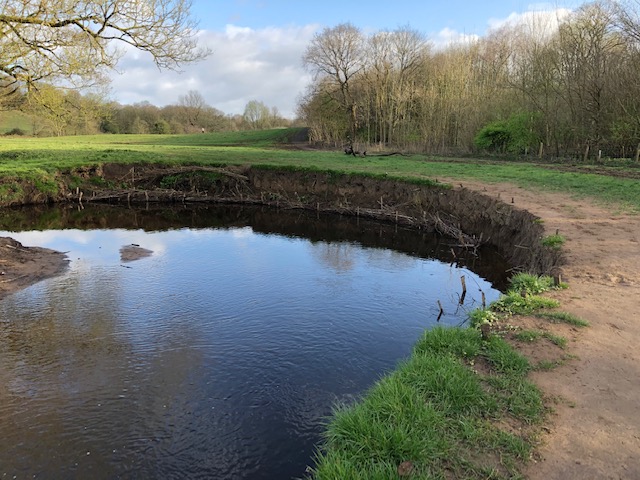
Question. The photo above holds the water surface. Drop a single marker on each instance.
(220, 355)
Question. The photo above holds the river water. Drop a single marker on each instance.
(221, 354)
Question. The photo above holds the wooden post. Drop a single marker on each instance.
(484, 300)
(557, 280)
(586, 154)
(441, 311)
(464, 289)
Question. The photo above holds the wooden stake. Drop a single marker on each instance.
(557, 280)
(441, 311)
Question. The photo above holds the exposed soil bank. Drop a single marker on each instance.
(466, 215)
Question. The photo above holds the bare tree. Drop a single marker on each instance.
(257, 115)
(72, 40)
(192, 105)
(627, 17)
(338, 53)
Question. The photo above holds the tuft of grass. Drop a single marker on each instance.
(551, 364)
(531, 336)
(528, 336)
(546, 365)
(563, 317)
(558, 340)
(554, 241)
(442, 341)
(504, 358)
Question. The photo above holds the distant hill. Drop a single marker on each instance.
(10, 120)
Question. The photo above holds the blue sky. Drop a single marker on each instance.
(467, 16)
(258, 44)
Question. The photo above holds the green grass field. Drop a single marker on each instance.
(40, 157)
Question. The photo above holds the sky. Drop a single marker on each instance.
(258, 45)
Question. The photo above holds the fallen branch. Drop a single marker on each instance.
(454, 231)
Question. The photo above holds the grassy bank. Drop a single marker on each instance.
(40, 159)
(459, 407)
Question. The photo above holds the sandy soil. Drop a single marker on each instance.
(594, 432)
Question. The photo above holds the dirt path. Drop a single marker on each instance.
(595, 431)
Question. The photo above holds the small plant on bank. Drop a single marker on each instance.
(554, 241)
(563, 317)
(529, 336)
(482, 316)
(515, 304)
(531, 284)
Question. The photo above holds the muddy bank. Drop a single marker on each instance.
(22, 266)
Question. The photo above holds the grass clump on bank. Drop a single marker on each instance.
(436, 413)
(523, 298)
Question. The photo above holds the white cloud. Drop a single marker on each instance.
(447, 36)
(246, 64)
(541, 17)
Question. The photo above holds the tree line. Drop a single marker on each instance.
(548, 85)
(54, 112)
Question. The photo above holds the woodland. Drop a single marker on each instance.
(559, 86)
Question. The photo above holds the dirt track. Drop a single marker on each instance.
(595, 430)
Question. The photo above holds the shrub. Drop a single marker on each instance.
(513, 135)
(16, 131)
(531, 284)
